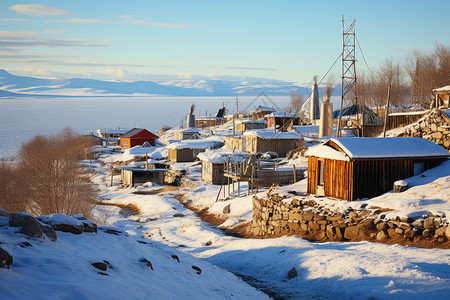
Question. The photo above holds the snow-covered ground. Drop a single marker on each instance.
(332, 270)
(325, 270)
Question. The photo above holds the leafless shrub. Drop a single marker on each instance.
(13, 189)
(50, 176)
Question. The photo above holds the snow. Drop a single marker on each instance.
(195, 144)
(156, 153)
(63, 270)
(442, 89)
(221, 155)
(326, 152)
(60, 219)
(389, 147)
(270, 134)
(253, 122)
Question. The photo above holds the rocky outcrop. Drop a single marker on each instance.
(277, 214)
(434, 127)
(31, 226)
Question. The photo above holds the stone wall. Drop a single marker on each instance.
(434, 127)
(275, 215)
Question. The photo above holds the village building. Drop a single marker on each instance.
(441, 98)
(132, 176)
(213, 163)
(260, 141)
(111, 137)
(236, 142)
(282, 120)
(356, 168)
(187, 151)
(261, 111)
(187, 134)
(250, 125)
(137, 136)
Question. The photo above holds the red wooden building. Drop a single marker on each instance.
(137, 136)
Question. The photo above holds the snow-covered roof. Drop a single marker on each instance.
(325, 151)
(136, 169)
(269, 134)
(112, 131)
(191, 130)
(221, 155)
(195, 144)
(390, 147)
(253, 121)
(443, 89)
(280, 114)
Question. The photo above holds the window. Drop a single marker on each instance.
(321, 166)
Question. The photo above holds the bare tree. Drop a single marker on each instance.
(57, 181)
(296, 102)
(13, 188)
(427, 72)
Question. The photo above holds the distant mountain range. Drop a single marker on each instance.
(21, 86)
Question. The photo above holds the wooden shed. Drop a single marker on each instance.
(441, 97)
(137, 136)
(260, 141)
(356, 168)
(135, 175)
(281, 119)
(236, 142)
(187, 134)
(187, 151)
(249, 125)
(213, 163)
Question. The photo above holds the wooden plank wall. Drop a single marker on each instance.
(401, 120)
(362, 179)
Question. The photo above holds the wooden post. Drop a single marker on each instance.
(233, 189)
(295, 175)
(386, 113)
(239, 188)
(112, 173)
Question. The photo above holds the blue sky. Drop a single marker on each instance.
(149, 40)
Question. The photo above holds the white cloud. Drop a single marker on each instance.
(38, 10)
(80, 21)
(14, 19)
(24, 39)
(129, 19)
(55, 31)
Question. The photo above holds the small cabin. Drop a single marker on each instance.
(187, 151)
(235, 142)
(356, 168)
(213, 163)
(260, 141)
(135, 175)
(250, 125)
(441, 97)
(187, 134)
(281, 119)
(137, 136)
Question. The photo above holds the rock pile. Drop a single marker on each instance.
(278, 214)
(434, 127)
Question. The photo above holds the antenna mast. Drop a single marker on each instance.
(349, 94)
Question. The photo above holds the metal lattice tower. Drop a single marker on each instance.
(349, 95)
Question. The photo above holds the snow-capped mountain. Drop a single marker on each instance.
(12, 85)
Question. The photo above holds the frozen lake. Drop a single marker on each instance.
(23, 118)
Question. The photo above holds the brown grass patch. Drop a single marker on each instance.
(133, 208)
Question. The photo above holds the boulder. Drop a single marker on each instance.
(227, 209)
(427, 233)
(292, 273)
(62, 222)
(381, 236)
(440, 231)
(50, 233)
(429, 223)
(100, 265)
(351, 232)
(30, 225)
(447, 232)
(6, 259)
